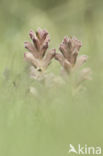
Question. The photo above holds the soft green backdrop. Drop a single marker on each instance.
(45, 126)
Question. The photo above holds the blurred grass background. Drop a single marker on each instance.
(48, 124)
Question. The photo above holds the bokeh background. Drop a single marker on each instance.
(47, 125)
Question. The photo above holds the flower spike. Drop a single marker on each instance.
(38, 54)
(68, 57)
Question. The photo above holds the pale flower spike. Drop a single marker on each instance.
(68, 57)
(37, 54)
(40, 57)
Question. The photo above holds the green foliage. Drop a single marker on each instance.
(45, 124)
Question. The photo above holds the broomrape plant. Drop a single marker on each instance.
(40, 57)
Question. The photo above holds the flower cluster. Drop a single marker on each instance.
(40, 57)
(68, 57)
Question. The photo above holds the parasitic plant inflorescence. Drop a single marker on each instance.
(38, 54)
(71, 61)
(68, 57)
(40, 57)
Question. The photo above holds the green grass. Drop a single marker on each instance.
(47, 123)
